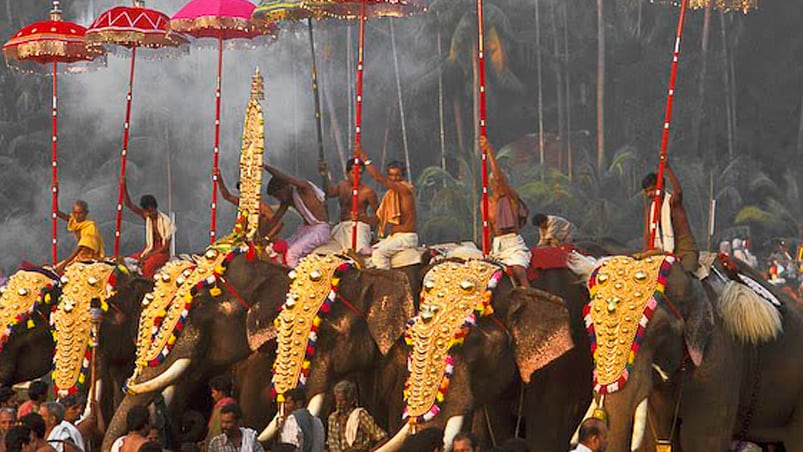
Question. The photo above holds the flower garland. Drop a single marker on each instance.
(45, 296)
(312, 338)
(655, 299)
(482, 309)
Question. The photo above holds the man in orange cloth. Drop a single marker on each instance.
(90, 243)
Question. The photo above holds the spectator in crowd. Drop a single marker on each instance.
(220, 387)
(18, 439)
(150, 446)
(427, 440)
(62, 435)
(301, 428)
(37, 425)
(8, 398)
(466, 442)
(352, 429)
(137, 424)
(37, 393)
(153, 435)
(234, 437)
(593, 436)
(74, 405)
(189, 447)
(7, 418)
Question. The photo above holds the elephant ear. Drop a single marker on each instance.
(539, 324)
(699, 323)
(391, 305)
(269, 297)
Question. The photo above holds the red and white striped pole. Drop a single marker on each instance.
(486, 232)
(54, 181)
(357, 128)
(124, 154)
(659, 185)
(216, 152)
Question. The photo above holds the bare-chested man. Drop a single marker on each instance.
(308, 200)
(366, 198)
(138, 423)
(507, 214)
(674, 233)
(267, 229)
(397, 209)
(159, 231)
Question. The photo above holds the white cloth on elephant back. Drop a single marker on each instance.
(511, 249)
(341, 234)
(388, 247)
(305, 240)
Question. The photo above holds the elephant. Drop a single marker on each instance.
(718, 359)
(221, 329)
(487, 393)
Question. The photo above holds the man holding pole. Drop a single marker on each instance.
(159, 231)
(366, 198)
(397, 209)
(674, 233)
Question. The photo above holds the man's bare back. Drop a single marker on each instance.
(315, 206)
(132, 442)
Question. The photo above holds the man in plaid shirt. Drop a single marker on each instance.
(234, 438)
(352, 429)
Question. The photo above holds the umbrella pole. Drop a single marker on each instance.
(216, 152)
(659, 185)
(486, 233)
(357, 127)
(316, 95)
(54, 165)
(124, 154)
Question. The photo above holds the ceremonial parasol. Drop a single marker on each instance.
(129, 28)
(220, 20)
(362, 10)
(40, 47)
(726, 5)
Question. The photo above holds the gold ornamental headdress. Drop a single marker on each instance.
(251, 160)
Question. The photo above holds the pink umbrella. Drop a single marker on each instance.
(221, 20)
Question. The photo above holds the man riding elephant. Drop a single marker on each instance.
(90, 242)
(159, 232)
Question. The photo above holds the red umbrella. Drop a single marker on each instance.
(129, 28)
(725, 5)
(221, 20)
(362, 10)
(40, 47)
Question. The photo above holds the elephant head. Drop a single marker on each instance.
(356, 328)
(643, 335)
(474, 341)
(26, 345)
(219, 301)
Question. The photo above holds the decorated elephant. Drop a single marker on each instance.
(199, 320)
(477, 340)
(342, 322)
(717, 357)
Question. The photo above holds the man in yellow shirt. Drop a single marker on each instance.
(90, 243)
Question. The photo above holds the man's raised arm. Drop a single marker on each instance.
(298, 183)
(328, 188)
(59, 213)
(127, 201)
(377, 175)
(224, 191)
(496, 172)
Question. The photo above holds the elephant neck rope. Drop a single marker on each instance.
(624, 295)
(314, 288)
(454, 296)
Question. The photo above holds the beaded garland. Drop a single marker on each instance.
(21, 297)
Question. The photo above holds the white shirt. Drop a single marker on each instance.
(582, 448)
(65, 431)
(292, 434)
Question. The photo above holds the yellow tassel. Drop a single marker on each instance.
(335, 281)
(215, 291)
(30, 323)
(439, 397)
(280, 398)
(316, 321)
(220, 270)
(81, 378)
(47, 298)
(305, 365)
(171, 340)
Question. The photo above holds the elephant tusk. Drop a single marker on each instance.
(315, 405)
(395, 443)
(453, 427)
(270, 431)
(162, 380)
(589, 413)
(639, 425)
(168, 393)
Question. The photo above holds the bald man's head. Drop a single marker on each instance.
(594, 434)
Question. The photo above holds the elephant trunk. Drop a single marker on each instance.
(117, 426)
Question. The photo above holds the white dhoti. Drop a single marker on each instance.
(510, 249)
(341, 234)
(392, 245)
(305, 240)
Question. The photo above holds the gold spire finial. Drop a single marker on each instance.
(257, 86)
